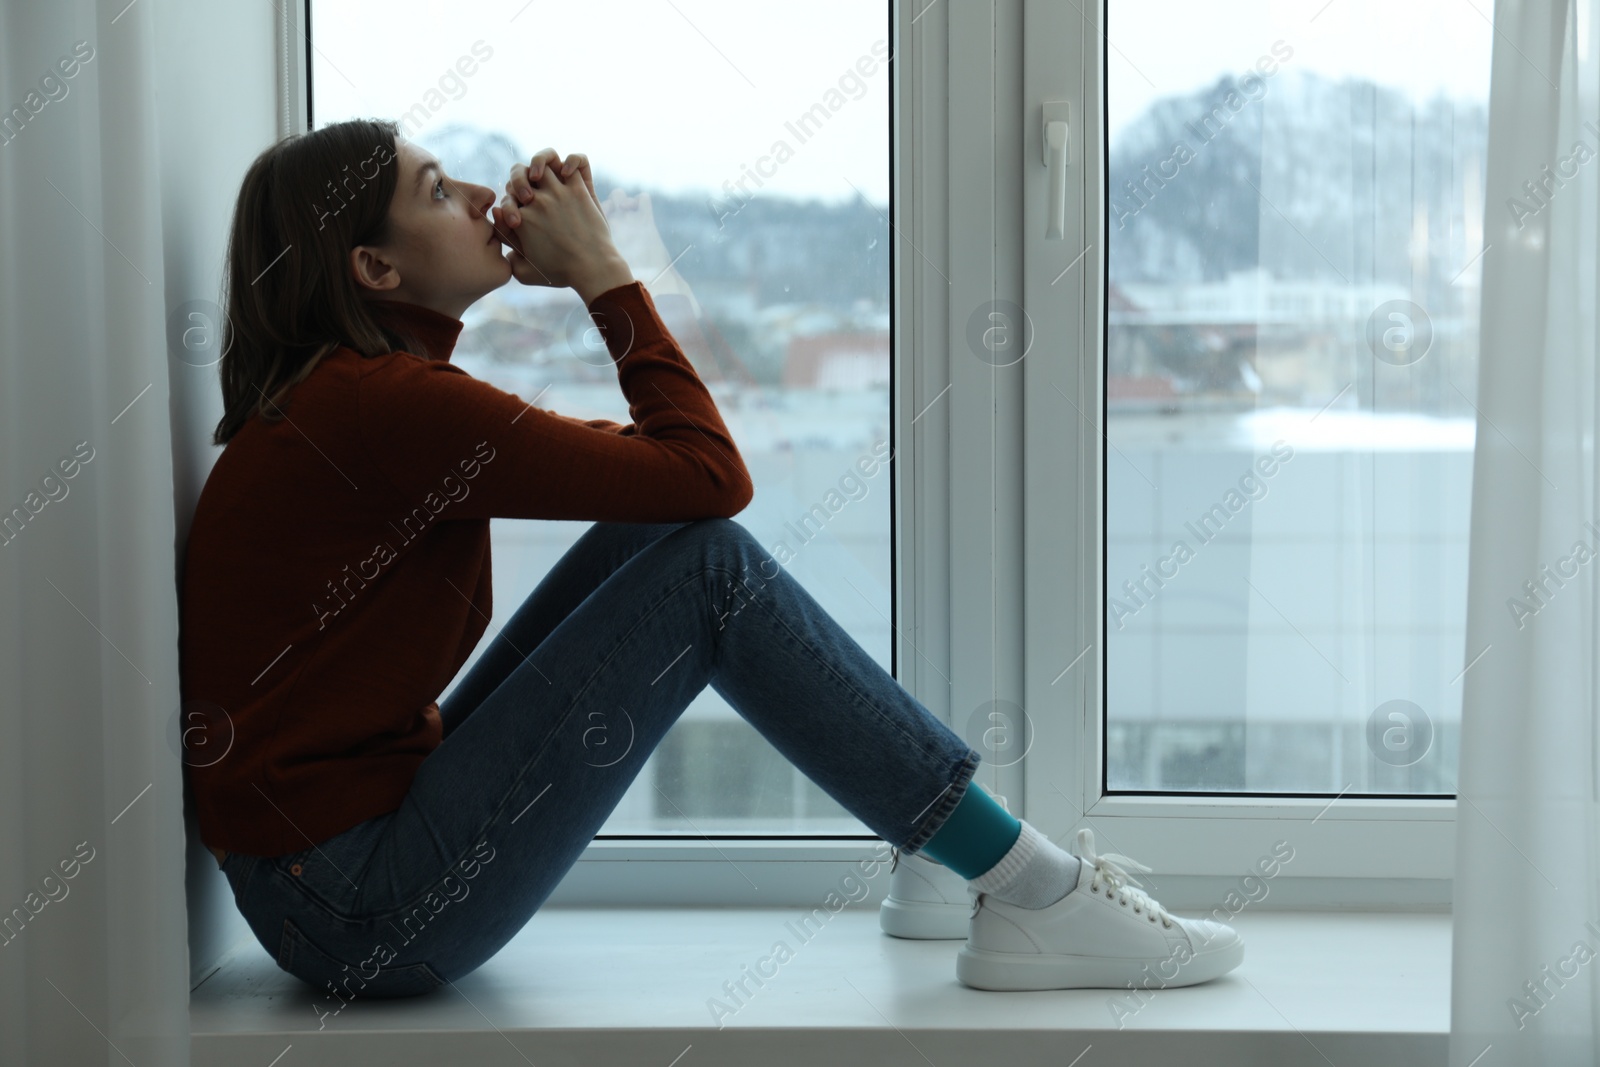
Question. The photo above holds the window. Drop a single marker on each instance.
(760, 174)
(1061, 405)
(1288, 471)
(1235, 178)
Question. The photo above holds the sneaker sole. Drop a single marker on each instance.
(924, 921)
(984, 969)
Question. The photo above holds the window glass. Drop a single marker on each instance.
(742, 151)
(1294, 232)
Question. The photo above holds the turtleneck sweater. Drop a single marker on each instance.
(337, 571)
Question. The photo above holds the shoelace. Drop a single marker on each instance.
(1111, 870)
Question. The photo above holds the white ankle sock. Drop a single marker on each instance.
(1035, 873)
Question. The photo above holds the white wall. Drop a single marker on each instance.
(218, 109)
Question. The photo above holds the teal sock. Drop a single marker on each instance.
(976, 836)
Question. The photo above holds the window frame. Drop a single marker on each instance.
(1348, 850)
(988, 606)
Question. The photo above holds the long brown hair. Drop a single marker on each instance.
(289, 295)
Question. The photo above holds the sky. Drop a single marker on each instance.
(676, 95)
(684, 95)
(1418, 46)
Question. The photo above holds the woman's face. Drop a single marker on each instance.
(442, 251)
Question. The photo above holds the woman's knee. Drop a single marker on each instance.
(725, 546)
(630, 537)
(718, 530)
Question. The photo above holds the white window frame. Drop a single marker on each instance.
(996, 580)
(1348, 851)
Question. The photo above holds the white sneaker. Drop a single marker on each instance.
(926, 900)
(1102, 935)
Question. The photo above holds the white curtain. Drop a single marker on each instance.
(116, 183)
(1527, 881)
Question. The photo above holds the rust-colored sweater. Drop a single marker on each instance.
(337, 573)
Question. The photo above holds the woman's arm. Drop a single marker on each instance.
(424, 420)
(678, 311)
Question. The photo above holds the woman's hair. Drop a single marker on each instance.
(289, 295)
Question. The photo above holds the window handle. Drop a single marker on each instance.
(1056, 142)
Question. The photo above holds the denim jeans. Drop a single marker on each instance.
(546, 731)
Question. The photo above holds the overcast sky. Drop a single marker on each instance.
(1418, 46)
(682, 95)
(671, 94)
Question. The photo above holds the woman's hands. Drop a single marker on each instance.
(555, 228)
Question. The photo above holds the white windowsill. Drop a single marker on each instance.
(632, 985)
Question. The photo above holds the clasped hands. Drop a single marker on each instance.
(555, 228)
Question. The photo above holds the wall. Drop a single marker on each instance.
(218, 109)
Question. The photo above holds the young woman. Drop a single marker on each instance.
(337, 576)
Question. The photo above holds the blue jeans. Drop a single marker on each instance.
(628, 626)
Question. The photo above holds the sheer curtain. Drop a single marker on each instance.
(124, 129)
(1527, 925)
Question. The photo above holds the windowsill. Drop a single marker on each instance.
(632, 985)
